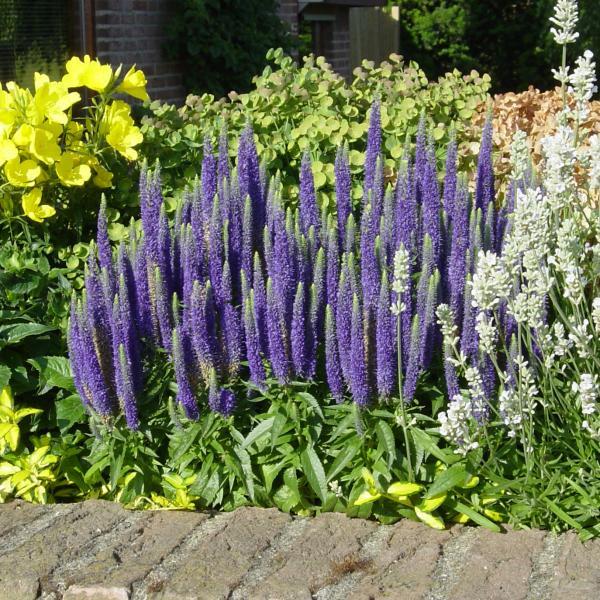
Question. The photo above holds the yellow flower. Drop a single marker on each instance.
(71, 171)
(103, 177)
(32, 207)
(22, 174)
(89, 73)
(8, 151)
(44, 147)
(23, 135)
(8, 113)
(52, 99)
(134, 84)
(123, 137)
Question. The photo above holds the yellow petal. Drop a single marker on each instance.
(22, 174)
(8, 151)
(134, 84)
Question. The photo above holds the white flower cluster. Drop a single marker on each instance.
(491, 281)
(565, 18)
(479, 405)
(447, 325)
(596, 314)
(401, 264)
(593, 157)
(519, 154)
(556, 346)
(567, 259)
(582, 84)
(457, 425)
(518, 402)
(588, 391)
(560, 157)
(487, 333)
(581, 338)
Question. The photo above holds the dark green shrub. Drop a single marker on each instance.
(223, 42)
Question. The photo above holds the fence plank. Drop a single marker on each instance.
(374, 34)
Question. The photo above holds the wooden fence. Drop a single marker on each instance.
(374, 34)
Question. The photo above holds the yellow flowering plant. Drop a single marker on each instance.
(52, 142)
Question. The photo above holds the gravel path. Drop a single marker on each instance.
(98, 550)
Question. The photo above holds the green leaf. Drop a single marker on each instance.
(261, 429)
(387, 440)
(16, 332)
(69, 411)
(426, 442)
(343, 458)
(312, 401)
(561, 514)
(246, 465)
(452, 477)
(5, 374)
(475, 516)
(314, 472)
(55, 371)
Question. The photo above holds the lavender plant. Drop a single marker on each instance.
(535, 301)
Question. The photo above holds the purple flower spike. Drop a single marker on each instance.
(373, 150)
(333, 269)
(277, 337)
(249, 176)
(413, 369)
(223, 170)
(103, 243)
(298, 335)
(343, 190)
(202, 327)
(450, 179)
(457, 263)
(484, 191)
(359, 384)
(208, 178)
(343, 320)
(332, 360)
(385, 340)
(260, 306)
(309, 213)
(181, 355)
(255, 362)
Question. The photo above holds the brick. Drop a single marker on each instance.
(492, 557)
(577, 572)
(59, 542)
(213, 569)
(141, 542)
(405, 567)
(77, 592)
(326, 547)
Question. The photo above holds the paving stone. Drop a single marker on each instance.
(30, 563)
(498, 566)
(577, 572)
(77, 592)
(404, 568)
(142, 541)
(17, 513)
(327, 549)
(214, 568)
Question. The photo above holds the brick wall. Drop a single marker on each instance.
(287, 11)
(133, 32)
(337, 46)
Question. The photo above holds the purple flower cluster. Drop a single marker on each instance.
(243, 286)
